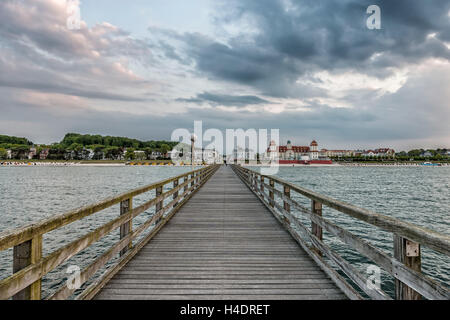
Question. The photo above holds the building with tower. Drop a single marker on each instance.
(290, 154)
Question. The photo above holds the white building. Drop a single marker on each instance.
(381, 152)
(211, 156)
(337, 153)
(290, 152)
(244, 154)
(32, 153)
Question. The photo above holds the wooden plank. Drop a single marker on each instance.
(24, 255)
(411, 259)
(316, 230)
(127, 227)
(271, 194)
(175, 195)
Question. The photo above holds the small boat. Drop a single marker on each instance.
(431, 164)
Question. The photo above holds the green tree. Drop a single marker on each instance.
(112, 153)
(14, 140)
(148, 152)
(129, 155)
(3, 154)
(20, 151)
(164, 149)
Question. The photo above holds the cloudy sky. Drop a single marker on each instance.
(142, 68)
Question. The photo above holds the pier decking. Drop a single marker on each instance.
(223, 244)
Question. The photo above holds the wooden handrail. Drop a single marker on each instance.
(24, 283)
(411, 283)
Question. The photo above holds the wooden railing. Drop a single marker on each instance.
(404, 266)
(29, 266)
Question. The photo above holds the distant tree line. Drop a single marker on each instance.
(10, 140)
(440, 154)
(76, 146)
(18, 146)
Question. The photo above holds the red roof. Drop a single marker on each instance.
(314, 143)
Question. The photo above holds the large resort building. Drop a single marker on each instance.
(290, 154)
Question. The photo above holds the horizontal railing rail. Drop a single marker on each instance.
(405, 266)
(29, 266)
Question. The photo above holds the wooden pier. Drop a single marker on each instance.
(223, 244)
(224, 233)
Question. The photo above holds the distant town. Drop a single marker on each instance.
(87, 147)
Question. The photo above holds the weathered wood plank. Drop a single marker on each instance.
(126, 228)
(411, 260)
(25, 254)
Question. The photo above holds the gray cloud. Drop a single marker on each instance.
(224, 100)
(38, 52)
(305, 36)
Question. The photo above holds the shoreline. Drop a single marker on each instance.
(123, 164)
(398, 164)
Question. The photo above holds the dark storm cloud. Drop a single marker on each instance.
(293, 38)
(224, 100)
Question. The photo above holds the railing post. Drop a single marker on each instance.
(271, 193)
(175, 194)
(316, 208)
(186, 187)
(261, 187)
(159, 205)
(287, 193)
(408, 253)
(127, 227)
(24, 254)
